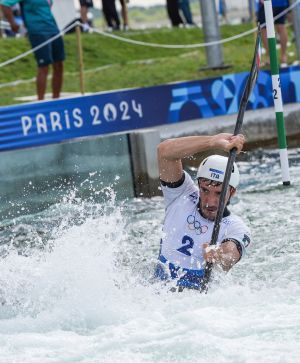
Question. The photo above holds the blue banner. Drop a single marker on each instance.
(43, 123)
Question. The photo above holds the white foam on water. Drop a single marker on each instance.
(83, 299)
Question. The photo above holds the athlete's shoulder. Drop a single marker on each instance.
(186, 183)
(187, 191)
(235, 222)
(233, 218)
(235, 228)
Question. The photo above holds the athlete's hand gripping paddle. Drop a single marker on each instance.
(232, 155)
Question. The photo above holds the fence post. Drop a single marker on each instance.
(80, 58)
(211, 30)
(296, 26)
(251, 7)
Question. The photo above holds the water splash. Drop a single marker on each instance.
(76, 283)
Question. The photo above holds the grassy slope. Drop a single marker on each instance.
(123, 71)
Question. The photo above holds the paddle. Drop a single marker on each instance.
(232, 155)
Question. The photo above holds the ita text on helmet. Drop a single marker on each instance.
(214, 167)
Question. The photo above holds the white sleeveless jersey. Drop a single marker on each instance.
(185, 230)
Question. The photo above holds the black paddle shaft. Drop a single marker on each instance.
(232, 155)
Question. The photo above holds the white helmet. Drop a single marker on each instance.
(214, 168)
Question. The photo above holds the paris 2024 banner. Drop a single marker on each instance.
(42, 123)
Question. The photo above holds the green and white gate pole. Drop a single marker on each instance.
(284, 162)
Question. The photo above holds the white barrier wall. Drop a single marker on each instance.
(35, 178)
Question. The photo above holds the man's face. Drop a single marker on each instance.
(210, 192)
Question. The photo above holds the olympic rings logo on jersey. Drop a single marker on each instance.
(195, 225)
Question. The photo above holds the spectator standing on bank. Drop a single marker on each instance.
(18, 19)
(184, 6)
(84, 8)
(124, 13)
(278, 7)
(173, 12)
(111, 14)
(41, 26)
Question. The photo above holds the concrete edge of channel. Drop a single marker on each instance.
(259, 129)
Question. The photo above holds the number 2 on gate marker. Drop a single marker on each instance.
(277, 93)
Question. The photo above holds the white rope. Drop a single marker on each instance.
(86, 71)
(189, 46)
(174, 46)
(25, 54)
(137, 42)
(17, 83)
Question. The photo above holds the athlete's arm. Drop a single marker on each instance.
(226, 255)
(8, 14)
(170, 152)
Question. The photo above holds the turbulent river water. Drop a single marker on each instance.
(76, 282)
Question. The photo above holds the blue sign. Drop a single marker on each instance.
(43, 123)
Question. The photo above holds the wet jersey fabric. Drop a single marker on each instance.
(37, 15)
(185, 231)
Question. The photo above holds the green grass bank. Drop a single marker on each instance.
(111, 64)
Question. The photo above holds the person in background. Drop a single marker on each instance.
(111, 14)
(278, 7)
(223, 10)
(184, 6)
(124, 13)
(173, 12)
(190, 211)
(84, 8)
(18, 19)
(41, 26)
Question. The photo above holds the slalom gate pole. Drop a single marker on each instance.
(250, 83)
(277, 93)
